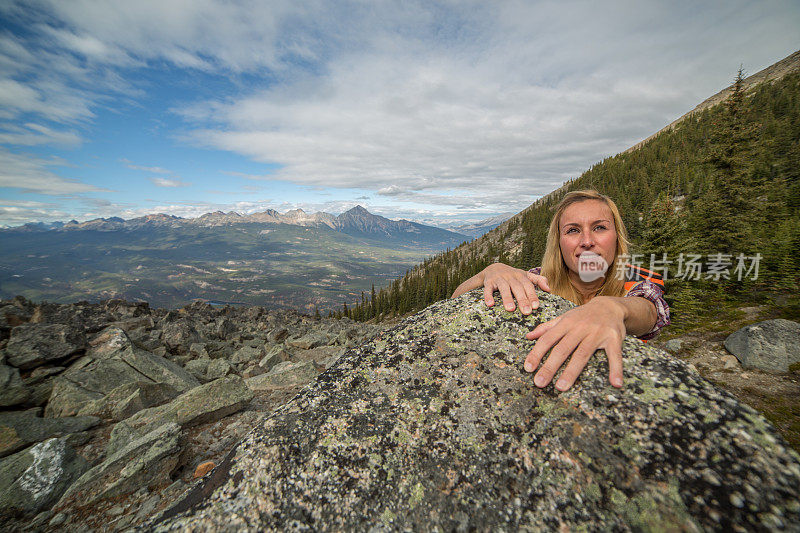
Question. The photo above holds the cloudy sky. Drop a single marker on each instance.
(433, 111)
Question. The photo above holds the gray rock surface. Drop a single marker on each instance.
(310, 340)
(198, 368)
(147, 460)
(32, 480)
(247, 354)
(205, 403)
(275, 355)
(127, 400)
(218, 368)
(286, 374)
(434, 425)
(772, 345)
(12, 390)
(112, 363)
(21, 429)
(31, 345)
(673, 345)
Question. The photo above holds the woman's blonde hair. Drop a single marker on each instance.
(555, 269)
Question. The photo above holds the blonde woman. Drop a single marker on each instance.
(585, 243)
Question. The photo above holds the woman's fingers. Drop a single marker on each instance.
(539, 281)
(522, 289)
(505, 293)
(560, 352)
(512, 284)
(530, 294)
(547, 339)
(542, 328)
(576, 364)
(614, 353)
(574, 336)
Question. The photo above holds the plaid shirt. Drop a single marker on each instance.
(651, 292)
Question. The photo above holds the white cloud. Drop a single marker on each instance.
(455, 108)
(506, 105)
(165, 182)
(31, 173)
(153, 170)
(31, 134)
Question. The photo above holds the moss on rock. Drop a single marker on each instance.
(435, 425)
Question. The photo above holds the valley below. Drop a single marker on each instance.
(275, 265)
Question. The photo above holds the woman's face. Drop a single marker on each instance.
(587, 227)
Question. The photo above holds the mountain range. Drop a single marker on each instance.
(356, 221)
(291, 260)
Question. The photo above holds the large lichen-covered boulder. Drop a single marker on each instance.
(434, 425)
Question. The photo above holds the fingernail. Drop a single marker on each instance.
(617, 382)
(536, 305)
(528, 366)
(539, 380)
(561, 384)
(526, 310)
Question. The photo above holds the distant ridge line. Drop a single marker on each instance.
(774, 72)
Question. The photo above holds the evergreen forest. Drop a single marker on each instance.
(708, 202)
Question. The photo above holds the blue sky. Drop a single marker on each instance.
(441, 112)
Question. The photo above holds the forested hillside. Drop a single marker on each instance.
(725, 180)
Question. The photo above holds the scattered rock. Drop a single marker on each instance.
(203, 469)
(198, 368)
(309, 340)
(67, 398)
(286, 374)
(21, 429)
(673, 345)
(247, 354)
(771, 345)
(127, 400)
(147, 460)
(114, 362)
(224, 328)
(730, 362)
(12, 390)
(32, 480)
(275, 355)
(58, 520)
(279, 335)
(179, 335)
(252, 371)
(32, 345)
(218, 368)
(322, 356)
(205, 403)
(147, 508)
(199, 350)
(127, 365)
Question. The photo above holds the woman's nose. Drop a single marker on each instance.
(586, 240)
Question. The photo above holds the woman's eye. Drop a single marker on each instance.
(571, 230)
(600, 227)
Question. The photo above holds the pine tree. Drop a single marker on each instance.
(731, 202)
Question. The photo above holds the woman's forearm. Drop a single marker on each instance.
(639, 314)
(472, 283)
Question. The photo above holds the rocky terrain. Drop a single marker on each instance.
(774, 392)
(109, 411)
(434, 425)
(116, 416)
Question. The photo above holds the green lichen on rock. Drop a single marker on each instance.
(434, 425)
